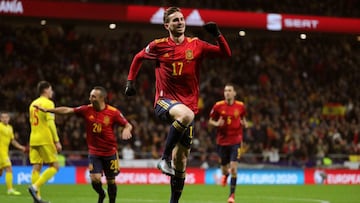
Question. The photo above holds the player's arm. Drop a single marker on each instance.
(146, 53)
(216, 123)
(213, 122)
(134, 70)
(50, 121)
(57, 110)
(223, 47)
(17, 145)
(135, 65)
(126, 132)
(127, 127)
(243, 122)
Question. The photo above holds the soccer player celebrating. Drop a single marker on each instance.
(178, 60)
(228, 116)
(44, 141)
(7, 138)
(100, 119)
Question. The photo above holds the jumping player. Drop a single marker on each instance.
(178, 60)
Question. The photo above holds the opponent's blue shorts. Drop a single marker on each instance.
(162, 109)
(228, 153)
(107, 164)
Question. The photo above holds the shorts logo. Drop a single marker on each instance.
(189, 54)
(173, 101)
(91, 167)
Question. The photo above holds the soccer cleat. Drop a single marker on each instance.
(33, 193)
(231, 199)
(41, 201)
(223, 180)
(13, 192)
(165, 167)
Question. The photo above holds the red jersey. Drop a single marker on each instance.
(178, 66)
(100, 136)
(232, 131)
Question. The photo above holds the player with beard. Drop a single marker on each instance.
(101, 120)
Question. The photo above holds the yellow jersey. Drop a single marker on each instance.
(43, 129)
(6, 135)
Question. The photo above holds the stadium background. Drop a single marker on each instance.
(301, 94)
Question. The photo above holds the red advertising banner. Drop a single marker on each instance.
(193, 17)
(143, 176)
(332, 176)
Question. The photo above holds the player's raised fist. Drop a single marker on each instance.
(130, 88)
(212, 28)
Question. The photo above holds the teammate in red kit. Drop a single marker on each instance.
(228, 116)
(178, 60)
(101, 119)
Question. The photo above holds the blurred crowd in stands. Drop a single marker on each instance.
(302, 96)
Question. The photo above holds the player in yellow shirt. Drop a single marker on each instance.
(44, 141)
(7, 138)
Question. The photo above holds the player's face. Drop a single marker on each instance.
(229, 93)
(49, 91)
(95, 98)
(5, 118)
(176, 25)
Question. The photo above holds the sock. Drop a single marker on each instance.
(45, 176)
(97, 186)
(177, 186)
(175, 132)
(35, 175)
(232, 184)
(9, 180)
(112, 190)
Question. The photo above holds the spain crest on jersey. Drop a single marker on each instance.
(236, 113)
(189, 54)
(106, 120)
(91, 117)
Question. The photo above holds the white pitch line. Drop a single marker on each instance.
(241, 197)
(291, 199)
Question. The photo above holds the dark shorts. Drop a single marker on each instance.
(162, 109)
(228, 153)
(107, 164)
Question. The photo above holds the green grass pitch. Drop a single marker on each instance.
(196, 194)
